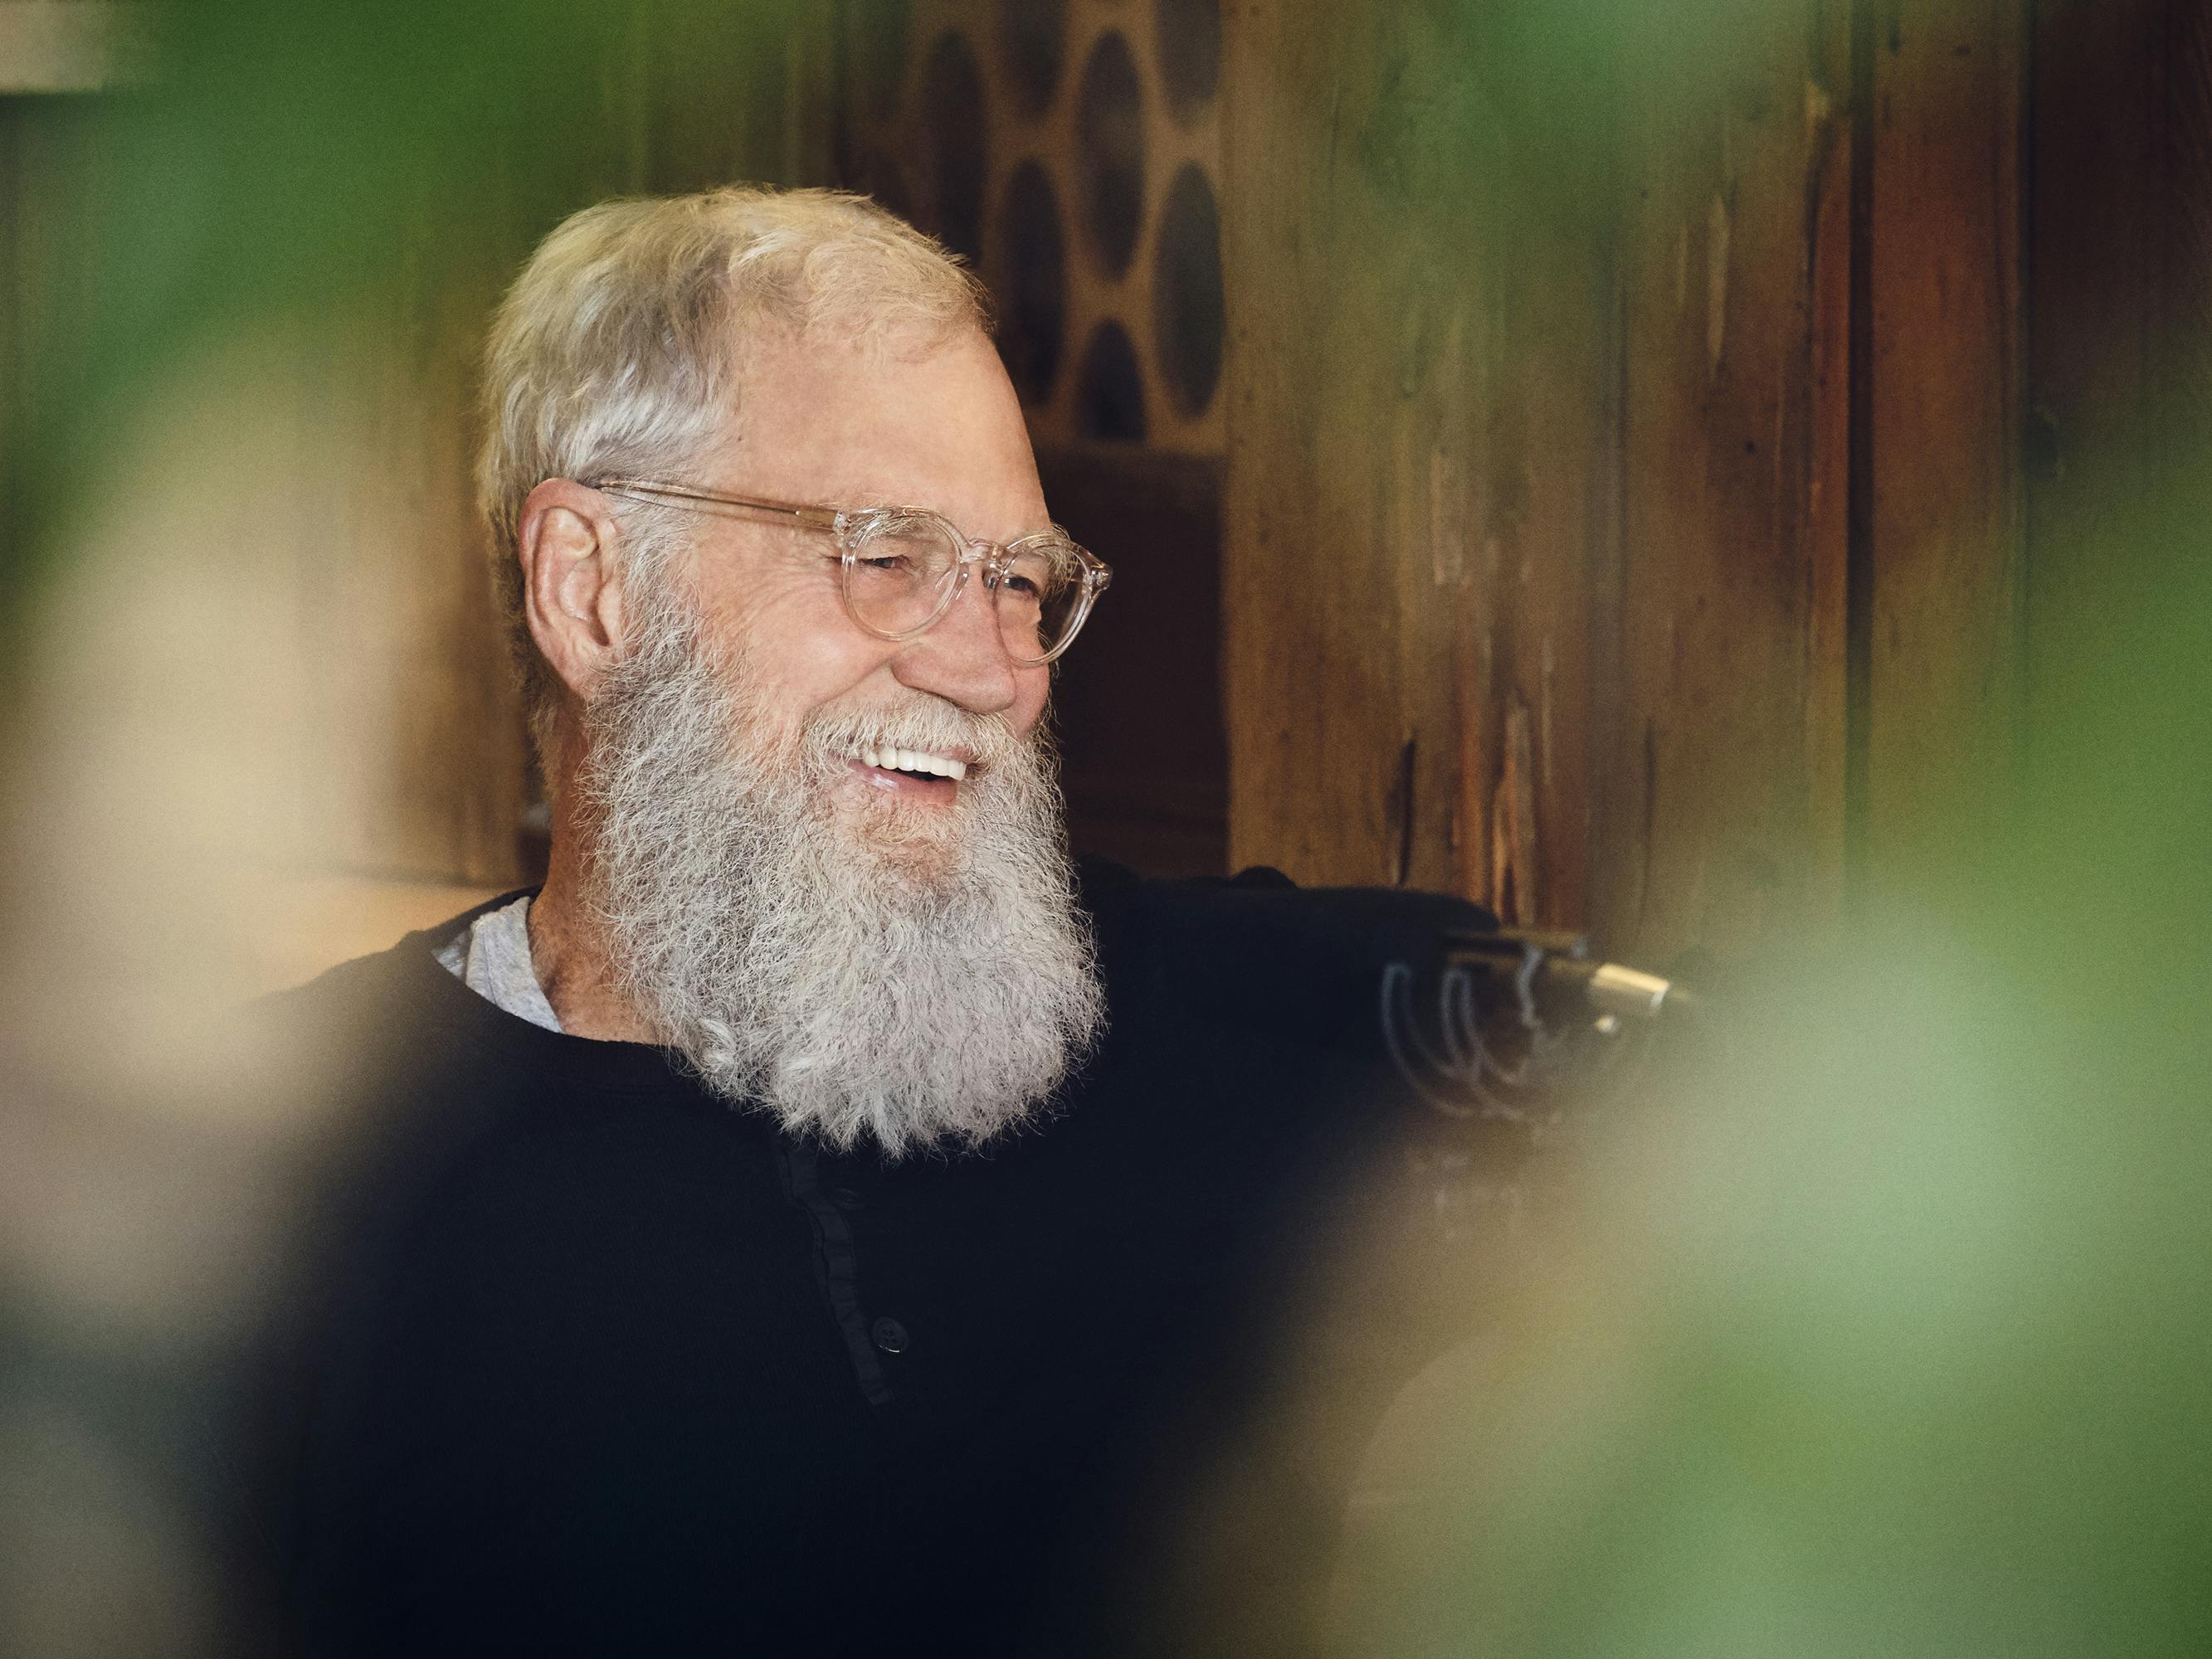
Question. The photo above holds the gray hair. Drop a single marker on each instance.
(619, 350)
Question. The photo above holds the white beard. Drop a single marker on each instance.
(858, 966)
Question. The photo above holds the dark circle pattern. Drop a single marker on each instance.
(1187, 36)
(1189, 315)
(1032, 251)
(959, 142)
(1032, 37)
(1109, 129)
(1109, 402)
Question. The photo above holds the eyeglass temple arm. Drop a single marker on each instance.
(1099, 575)
(811, 517)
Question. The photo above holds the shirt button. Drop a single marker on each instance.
(846, 1198)
(890, 1335)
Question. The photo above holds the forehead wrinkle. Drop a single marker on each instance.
(805, 436)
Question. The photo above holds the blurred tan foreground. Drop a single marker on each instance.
(1889, 1335)
(175, 850)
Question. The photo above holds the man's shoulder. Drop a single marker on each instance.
(350, 986)
(383, 1040)
(1256, 949)
(1262, 912)
(381, 983)
(337, 1010)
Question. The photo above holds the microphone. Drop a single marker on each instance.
(1517, 1022)
(1498, 1027)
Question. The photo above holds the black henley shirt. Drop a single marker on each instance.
(590, 1362)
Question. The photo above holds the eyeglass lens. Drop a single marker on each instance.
(900, 571)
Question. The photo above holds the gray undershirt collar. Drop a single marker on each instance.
(492, 958)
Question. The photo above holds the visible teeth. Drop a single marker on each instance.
(892, 758)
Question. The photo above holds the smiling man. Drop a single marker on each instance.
(816, 1220)
(788, 702)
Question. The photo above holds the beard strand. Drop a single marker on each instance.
(863, 969)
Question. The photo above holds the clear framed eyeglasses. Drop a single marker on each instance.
(903, 567)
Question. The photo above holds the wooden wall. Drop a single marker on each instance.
(1536, 556)
(1648, 469)
(1658, 564)
(1937, 670)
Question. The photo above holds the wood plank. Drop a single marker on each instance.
(415, 767)
(1415, 487)
(1734, 431)
(1316, 651)
(1542, 541)
(1535, 556)
(1946, 408)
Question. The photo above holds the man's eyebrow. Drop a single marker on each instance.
(861, 498)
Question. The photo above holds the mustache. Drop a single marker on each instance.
(928, 723)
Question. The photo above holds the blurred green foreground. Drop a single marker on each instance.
(1891, 1336)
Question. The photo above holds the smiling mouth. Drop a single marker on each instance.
(923, 773)
(919, 764)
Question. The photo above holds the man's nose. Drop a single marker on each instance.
(961, 659)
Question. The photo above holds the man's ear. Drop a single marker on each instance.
(571, 584)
